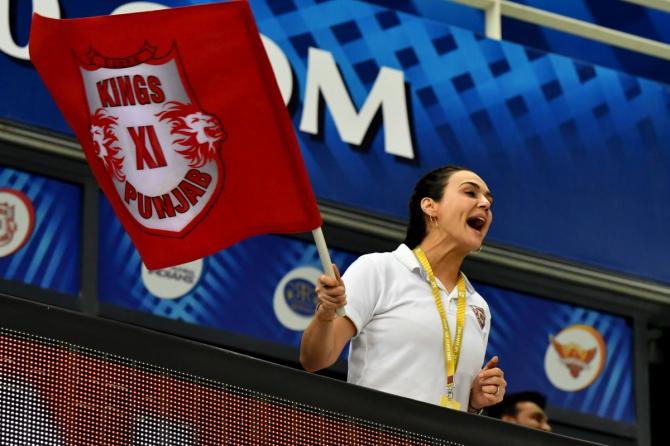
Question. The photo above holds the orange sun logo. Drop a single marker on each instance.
(575, 357)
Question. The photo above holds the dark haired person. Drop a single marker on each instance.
(418, 327)
(525, 408)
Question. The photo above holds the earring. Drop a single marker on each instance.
(433, 220)
(480, 248)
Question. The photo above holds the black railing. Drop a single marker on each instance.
(70, 379)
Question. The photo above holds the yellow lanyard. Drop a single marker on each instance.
(451, 351)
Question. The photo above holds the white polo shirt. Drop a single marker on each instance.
(398, 347)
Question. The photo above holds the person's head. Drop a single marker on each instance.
(525, 408)
(455, 202)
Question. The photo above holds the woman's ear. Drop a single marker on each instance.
(428, 206)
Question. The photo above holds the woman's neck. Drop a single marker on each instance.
(444, 257)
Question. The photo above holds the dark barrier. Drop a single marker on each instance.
(67, 379)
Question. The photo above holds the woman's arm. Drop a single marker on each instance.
(327, 334)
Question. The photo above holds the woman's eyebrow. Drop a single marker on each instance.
(476, 186)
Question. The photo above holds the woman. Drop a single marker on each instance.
(410, 310)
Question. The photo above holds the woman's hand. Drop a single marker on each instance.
(331, 294)
(488, 387)
(326, 335)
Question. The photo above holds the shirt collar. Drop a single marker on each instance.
(408, 259)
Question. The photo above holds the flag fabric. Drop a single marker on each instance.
(182, 123)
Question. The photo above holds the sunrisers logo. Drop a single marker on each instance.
(17, 219)
(575, 357)
(173, 282)
(295, 299)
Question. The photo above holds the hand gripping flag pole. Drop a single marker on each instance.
(325, 260)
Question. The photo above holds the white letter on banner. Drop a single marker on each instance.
(388, 91)
(138, 7)
(46, 8)
(281, 68)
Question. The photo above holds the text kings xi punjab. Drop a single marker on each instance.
(142, 90)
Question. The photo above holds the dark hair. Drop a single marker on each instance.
(508, 405)
(430, 186)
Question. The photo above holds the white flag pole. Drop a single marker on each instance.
(325, 259)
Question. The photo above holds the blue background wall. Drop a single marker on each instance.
(575, 153)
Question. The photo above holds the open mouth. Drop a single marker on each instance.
(476, 223)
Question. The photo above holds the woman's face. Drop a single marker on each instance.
(464, 212)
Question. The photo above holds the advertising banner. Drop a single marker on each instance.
(59, 394)
(40, 231)
(580, 359)
(575, 153)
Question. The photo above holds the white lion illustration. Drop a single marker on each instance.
(104, 143)
(201, 134)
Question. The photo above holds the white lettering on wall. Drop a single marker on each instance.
(388, 92)
(46, 8)
(281, 68)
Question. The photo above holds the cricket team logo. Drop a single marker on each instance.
(17, 219)
(173, 282)
(295, 298)
(575, 357)
(160, 149)
(480, 314)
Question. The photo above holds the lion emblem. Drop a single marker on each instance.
(7, 223)
(104, 143)
(201, 134)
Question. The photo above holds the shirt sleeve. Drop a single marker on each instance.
(361, 281)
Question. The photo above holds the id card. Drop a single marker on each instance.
(449, 403)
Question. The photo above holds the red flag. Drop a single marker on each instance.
(182, 124)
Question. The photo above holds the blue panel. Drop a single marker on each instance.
(568, 179)
(575, 153)
(618, 15)
(521, 327)
(236, 288)
(438, 10)
(51, 257)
